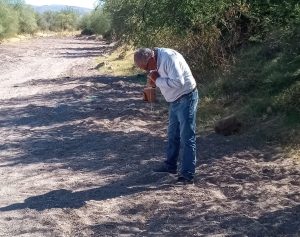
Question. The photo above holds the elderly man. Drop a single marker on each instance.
(169, 71)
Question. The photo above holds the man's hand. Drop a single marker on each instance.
(152, 76)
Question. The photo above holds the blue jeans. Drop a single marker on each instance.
(182, 134)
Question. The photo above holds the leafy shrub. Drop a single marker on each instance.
(8, 21)
(98, 22)
(264, 80)
(27, 19)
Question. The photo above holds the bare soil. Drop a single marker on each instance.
(77, 149)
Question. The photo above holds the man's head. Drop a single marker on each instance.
(144, 58)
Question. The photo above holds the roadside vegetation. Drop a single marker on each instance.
(17, 18)
(245, 56)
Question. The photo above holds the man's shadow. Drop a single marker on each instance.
(64, 198)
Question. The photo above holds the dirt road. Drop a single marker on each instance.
(77, 149)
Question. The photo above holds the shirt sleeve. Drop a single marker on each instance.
(174, 72)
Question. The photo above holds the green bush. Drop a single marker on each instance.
(205, 32)
(17, 17)
(27, 19)
(65, 20)
(265, 80)
(288, 100)
(43, 22)
(9, 24)
(98, 22)
(208, 33)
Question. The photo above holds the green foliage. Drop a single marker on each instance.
(44, 21)
(205, 32)
(17, 17)
(276, 12)
(262, 85)
(27, 19)
(85, 25)
(98, 22)
(8, 20)
(65, 20)
(14, 2)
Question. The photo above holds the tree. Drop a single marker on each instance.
(27, 19)
(97, 22)
(8, 20)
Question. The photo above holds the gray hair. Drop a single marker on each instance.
(143, 55)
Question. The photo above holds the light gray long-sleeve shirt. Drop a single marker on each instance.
(175, 78)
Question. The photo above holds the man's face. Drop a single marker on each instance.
(150, 65)
(144, 66)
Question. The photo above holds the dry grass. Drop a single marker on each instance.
(17, 38)
(118, 63)
(294, 153)
(22, 37)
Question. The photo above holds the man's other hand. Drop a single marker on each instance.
(152, 76)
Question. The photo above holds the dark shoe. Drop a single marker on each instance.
(165, 169)
(183, 181)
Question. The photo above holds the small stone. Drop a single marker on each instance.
(102, 64)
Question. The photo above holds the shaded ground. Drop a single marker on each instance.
(77, 149)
